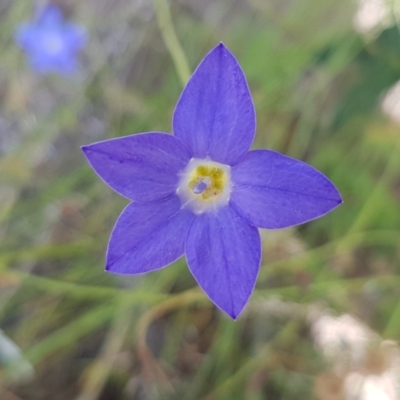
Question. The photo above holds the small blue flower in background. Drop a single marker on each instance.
(201, 192)
(51, 43)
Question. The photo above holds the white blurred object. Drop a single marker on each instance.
(371, 15)
(372, 387)
(367, 367)
(391, 103)
(380, 377)
(342, 340)
(17, 368)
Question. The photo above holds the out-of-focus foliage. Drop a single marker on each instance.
(318, 87)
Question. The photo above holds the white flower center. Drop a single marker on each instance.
(53, 43)
(204, 185)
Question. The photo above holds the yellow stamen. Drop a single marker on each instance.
(215, 177)
(204, 185)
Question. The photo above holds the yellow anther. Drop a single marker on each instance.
(215, 177)
(204, 185)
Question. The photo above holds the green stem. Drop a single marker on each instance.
(368, 208)
(392, 328)
(171, 40)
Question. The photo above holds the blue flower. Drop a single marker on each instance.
(50, 43)
(201, 192)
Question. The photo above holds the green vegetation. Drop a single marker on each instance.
(318, 87)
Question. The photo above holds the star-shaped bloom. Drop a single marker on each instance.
(201, 192)
(51, 43)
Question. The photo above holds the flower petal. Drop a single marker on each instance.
(147, 237)
(75, 36)
(21, 34)
(215, 114)
(223, 253)
(50, 16)
(274, 191)
(141, 167)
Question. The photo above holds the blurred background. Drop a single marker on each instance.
(324, 320)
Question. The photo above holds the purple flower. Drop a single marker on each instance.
(50, 43)
(201, 192)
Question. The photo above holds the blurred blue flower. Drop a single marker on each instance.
(50, 43)
(201, 192)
